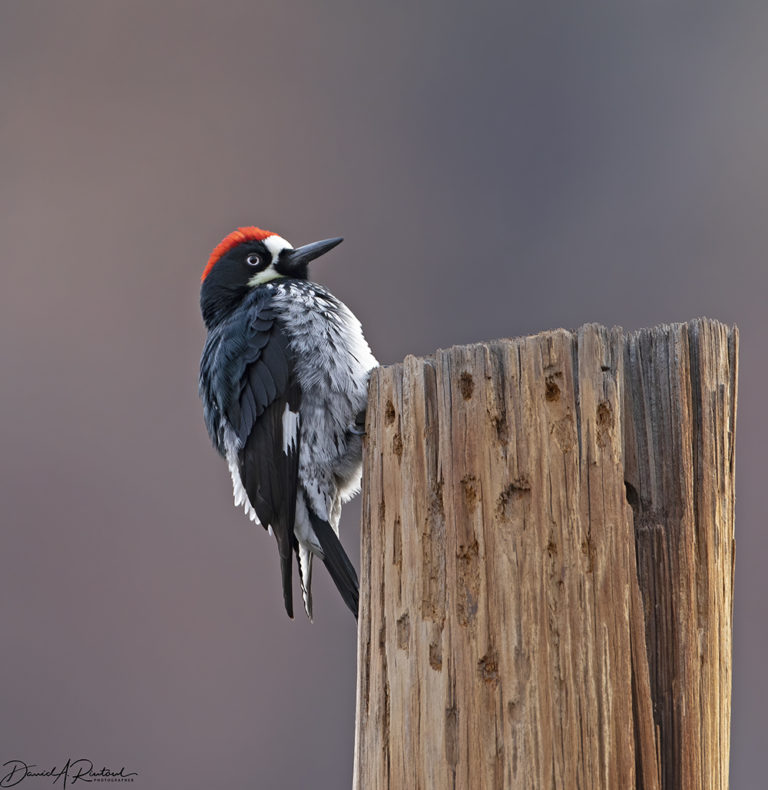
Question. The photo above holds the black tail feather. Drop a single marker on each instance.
(286, 563)
(335, 558)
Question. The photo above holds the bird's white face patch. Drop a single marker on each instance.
(275, 244)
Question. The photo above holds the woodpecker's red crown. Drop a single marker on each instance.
(239, 236)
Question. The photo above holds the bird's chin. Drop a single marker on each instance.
(262, 278)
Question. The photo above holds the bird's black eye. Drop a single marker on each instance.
(253, 260)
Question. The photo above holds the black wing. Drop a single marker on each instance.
(269, 459)
(248, 383)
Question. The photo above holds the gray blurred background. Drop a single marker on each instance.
(496, 168)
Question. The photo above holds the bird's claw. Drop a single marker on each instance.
(358, 426)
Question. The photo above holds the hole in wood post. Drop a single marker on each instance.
(468, 571)
(604, 420)
(397, 543)
(552, 548)
(397, 446)
(488, 667)
(469, 486)
(436, 656)
(551, 390)
(466, 385)
(404, 632)
(499, 423)
(507, 504)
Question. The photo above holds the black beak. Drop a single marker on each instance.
(297, 260)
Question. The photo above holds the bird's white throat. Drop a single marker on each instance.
(269, 274)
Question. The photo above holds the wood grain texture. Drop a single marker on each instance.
(527, 620)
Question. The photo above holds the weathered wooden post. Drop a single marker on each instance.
(547, 564)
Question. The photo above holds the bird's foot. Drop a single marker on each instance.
(358, 426)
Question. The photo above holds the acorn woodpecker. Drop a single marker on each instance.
(283, 380)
